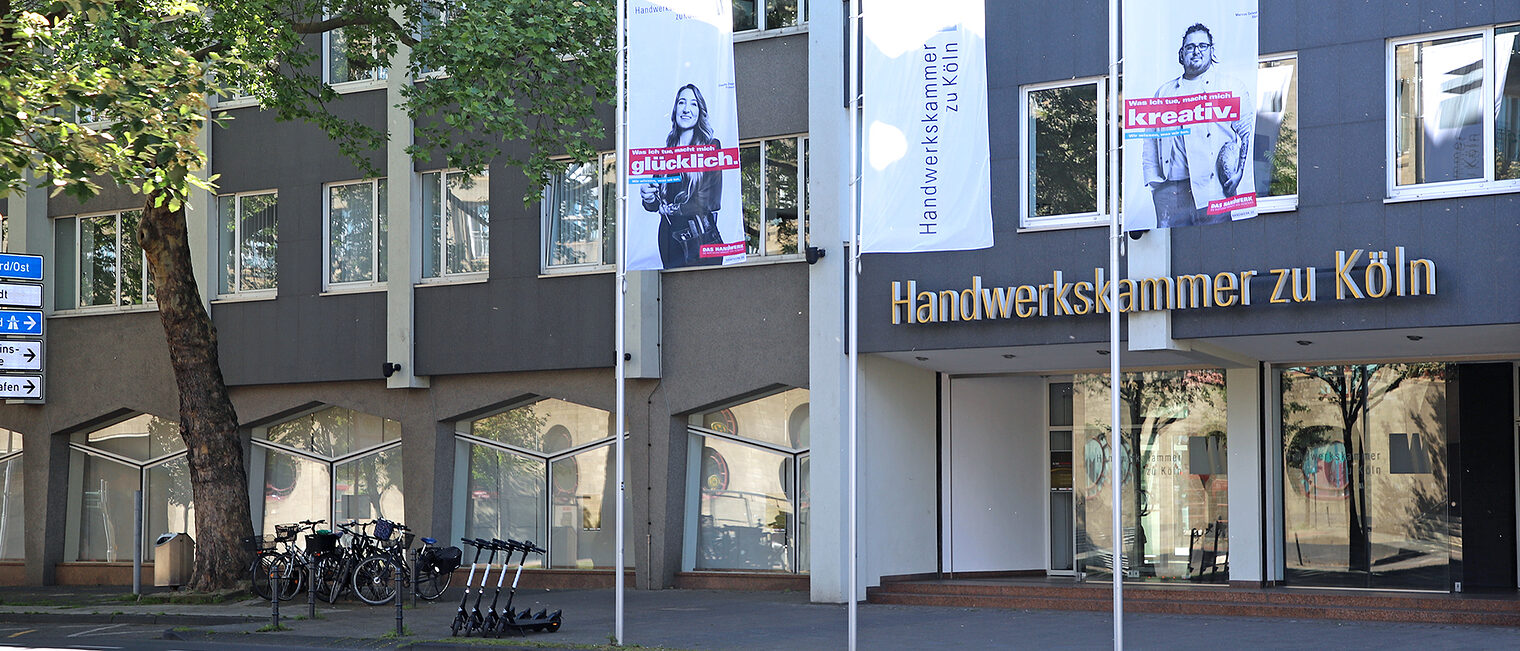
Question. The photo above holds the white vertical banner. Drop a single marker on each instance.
(926, 182)
(682, 156)
(1189, 112)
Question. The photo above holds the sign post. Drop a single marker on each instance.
(21, 328)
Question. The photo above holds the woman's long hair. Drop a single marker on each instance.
(703, 131)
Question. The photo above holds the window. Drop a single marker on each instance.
(772, 172)
(355, 236)
(768, 14)
(106, 465)
(749, 494)
(1454, 117)
(333, 464)
(99, 262)
(457, 215)
(542, 471)
(247, 244)
(1064, 181)
(12, 497)
(579, 225)
(341, 64)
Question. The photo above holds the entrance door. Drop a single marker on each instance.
(1484, 489)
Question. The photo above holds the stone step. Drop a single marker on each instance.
(1421, 613)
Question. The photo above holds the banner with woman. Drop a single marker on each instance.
(682, 160)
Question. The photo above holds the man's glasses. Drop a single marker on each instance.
(1197, 47)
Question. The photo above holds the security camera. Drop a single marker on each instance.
(389, 368)
(814, 254)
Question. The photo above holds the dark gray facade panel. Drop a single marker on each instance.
(1342, 58)
(771, 81)
(302, 338)
(730, 332)
(254, 151)
(112, 197)
(516, 324)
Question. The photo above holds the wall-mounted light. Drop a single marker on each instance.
(389, 368)
(1102, 352)
(921, 359)
(814, 254)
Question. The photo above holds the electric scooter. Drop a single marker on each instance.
(468, 621)
(478, 620)
(493, 618)
(526, 620)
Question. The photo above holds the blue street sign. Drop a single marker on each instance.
(20, 266)
(21, 322)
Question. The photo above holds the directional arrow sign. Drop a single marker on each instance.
(21, 322)
(20, 355)
(20, 266)
(21, 387)
(20, 295)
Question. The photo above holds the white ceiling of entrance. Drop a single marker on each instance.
(1500, 342)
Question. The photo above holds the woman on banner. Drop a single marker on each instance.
(688, 205)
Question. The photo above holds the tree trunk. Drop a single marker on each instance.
(207, 420)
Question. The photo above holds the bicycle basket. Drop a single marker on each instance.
(286, 532)
(321, 543)
(444, 559)
(264, 543)
(384, 529)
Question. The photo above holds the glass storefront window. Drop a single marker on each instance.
(750, 487)
(12, 502)
(1172, 473)
(542, 471)
(107, 465)
(1364, 455)
(332, 464)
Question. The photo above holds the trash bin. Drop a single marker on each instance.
(173, 559)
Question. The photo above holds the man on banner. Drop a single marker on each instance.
(1195, 162)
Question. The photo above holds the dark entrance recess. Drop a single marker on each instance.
(1484, 489)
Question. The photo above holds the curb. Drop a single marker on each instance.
(126, 618)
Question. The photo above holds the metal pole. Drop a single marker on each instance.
(276, 586)
(137, 542)
(620, 293)
(1114, 234)
(416, 571)
(397, 570)
(311, 586)
(854, 312)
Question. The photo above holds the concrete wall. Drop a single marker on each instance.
(897, 471)
(996, 475)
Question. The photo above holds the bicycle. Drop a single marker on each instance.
(373, 581)
(336, 575)
(289, 566)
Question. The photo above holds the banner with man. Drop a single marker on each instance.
(926, 183)
(1189, 112)
(682, 161)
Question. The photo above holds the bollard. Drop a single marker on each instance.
(416, 557)
(311, 586)
(276, 585)
(137, 542)
(399, 576)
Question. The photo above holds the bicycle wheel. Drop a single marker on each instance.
(262, 572)
(431, 583)
(329, 579)
(293, 573)
(374, 580)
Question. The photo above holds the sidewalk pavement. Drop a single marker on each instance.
(750, 621)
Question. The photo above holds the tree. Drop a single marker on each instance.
(95, 92)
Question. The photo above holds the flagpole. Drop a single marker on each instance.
(853, 312)
(1114, 235)
(621, 293)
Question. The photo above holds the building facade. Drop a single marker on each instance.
(1324, 395)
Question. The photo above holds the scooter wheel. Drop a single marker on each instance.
(554, 626)
(458, 624)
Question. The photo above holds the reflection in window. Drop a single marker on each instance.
(247, 243)
(12, 497)
(356, 216)
(106, 466)
(1064, 174)
(457, 219)
(347, 62)
(770, 174)
(1364, 476)
(542, 472)
(331, 464)
(1276, 147)
(1172, 476)
(111, 267)
(751, 485)
(579, 222)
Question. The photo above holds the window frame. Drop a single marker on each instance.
(1030, 223)
(547, 206)
(444, 275)
(237, 235)
(260, 446)
(373, 284)
(762, 29)
(801, 140)
(377, 79)
(150, 301)
(1487, 184)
